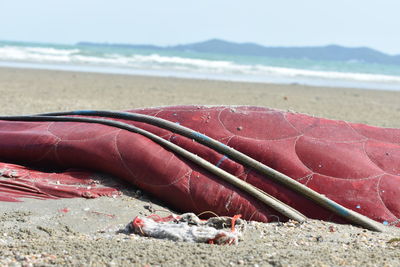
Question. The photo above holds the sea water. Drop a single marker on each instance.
(189, 64)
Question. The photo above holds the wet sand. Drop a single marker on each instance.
(39, 232)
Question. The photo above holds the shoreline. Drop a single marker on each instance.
(42, 232)
(225, 68)
(279, 80)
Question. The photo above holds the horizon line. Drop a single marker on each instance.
(203, 41)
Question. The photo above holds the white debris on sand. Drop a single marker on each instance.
(189, 228)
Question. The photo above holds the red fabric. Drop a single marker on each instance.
(356, 165)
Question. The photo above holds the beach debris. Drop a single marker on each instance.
(149, 208)
(395, 241)
(103, 214)
(64, 210)
(189, 228)
(8, 173)
(255, 139)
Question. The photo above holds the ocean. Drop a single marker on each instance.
(189, 64)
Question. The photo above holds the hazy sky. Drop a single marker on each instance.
(373, 23)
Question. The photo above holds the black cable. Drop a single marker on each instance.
(265, 198)
(233, 154)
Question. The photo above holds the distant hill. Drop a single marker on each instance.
(330, 52)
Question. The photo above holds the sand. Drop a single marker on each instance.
(41, 233)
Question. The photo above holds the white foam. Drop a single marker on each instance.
(362, 77)
(226, 67)
(52, 51)
(31, 54)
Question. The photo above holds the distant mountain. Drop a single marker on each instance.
(330, 52)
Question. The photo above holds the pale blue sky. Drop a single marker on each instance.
(279, 22)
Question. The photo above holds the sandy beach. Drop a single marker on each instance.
(36, 233)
